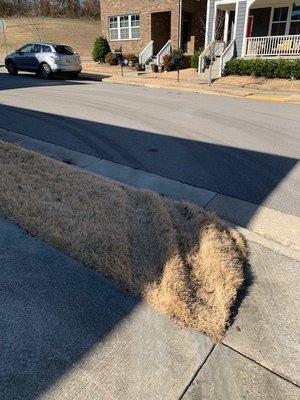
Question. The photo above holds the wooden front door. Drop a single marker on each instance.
(250, 26)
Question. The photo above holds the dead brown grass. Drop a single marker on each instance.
(78, 33)
(252, 82)
(183, 261)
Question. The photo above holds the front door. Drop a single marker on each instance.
(250, 26)
(160, 29)
(187, 22)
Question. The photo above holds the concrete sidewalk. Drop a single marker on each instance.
(75, 335)
(69, 333)
(273, 229)
(193, 86)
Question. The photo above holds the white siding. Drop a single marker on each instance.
(210, 13)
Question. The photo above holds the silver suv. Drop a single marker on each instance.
(45, 59)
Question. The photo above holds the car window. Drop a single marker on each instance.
(66, 50)
(37, 48)
(26, 49)
(46, 49)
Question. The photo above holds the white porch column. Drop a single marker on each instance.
(226, 26)
(249, 3)
(213, 36)
(235, 19)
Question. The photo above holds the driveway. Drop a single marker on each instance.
(241, 148)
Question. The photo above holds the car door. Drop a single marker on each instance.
(22, 57)
(34, 57)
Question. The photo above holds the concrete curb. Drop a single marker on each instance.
(290, 99)
(254, 221)
(247, 352)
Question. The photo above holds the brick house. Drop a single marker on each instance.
(153, 25)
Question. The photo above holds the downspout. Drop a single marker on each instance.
(180, 24)
(100, 18)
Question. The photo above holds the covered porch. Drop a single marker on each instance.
(273, 30)
(258, 28)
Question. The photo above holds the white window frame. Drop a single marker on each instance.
(130, 27)
(287, 22)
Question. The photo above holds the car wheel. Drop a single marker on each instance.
(73, 75)
(45, 71)
(11, 68)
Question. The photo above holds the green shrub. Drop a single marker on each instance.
(177, 59)
(101, 48)
(284, 69)
(195, 58)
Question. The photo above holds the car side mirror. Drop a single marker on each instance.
(17, 51)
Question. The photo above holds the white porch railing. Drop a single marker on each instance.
(147, 53)
(165, 50)
(287, 45)
(227, 55)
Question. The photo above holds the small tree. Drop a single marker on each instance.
(177, 60)
(101, 48)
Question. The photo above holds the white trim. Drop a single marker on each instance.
(271, 21)
(245, 29)
(119, 27)
(226, 26)
(288, 18)
(266, 46)
(248, 5)
(180, 25)
(207, 21)
(235, 19)
(288, 21)
(213, 33)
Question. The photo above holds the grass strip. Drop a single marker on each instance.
(180, 259)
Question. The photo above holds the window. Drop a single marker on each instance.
(135, 26)
(37, 48)
(26, 49)
(114, 28)
(124, 27)
(280, 16)
(46, 49)
(295, 21)
(65, 50)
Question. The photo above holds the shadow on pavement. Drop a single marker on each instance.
(24, 80)
(53, 312)
(83, 308)
(247, 175)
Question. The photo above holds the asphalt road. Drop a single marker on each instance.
(238, 147)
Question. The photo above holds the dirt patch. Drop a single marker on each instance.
(280, 85)
(184, 74)
(101, 68)
(106, 69)
(183, 261)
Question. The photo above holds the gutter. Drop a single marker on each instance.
(180, 24)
